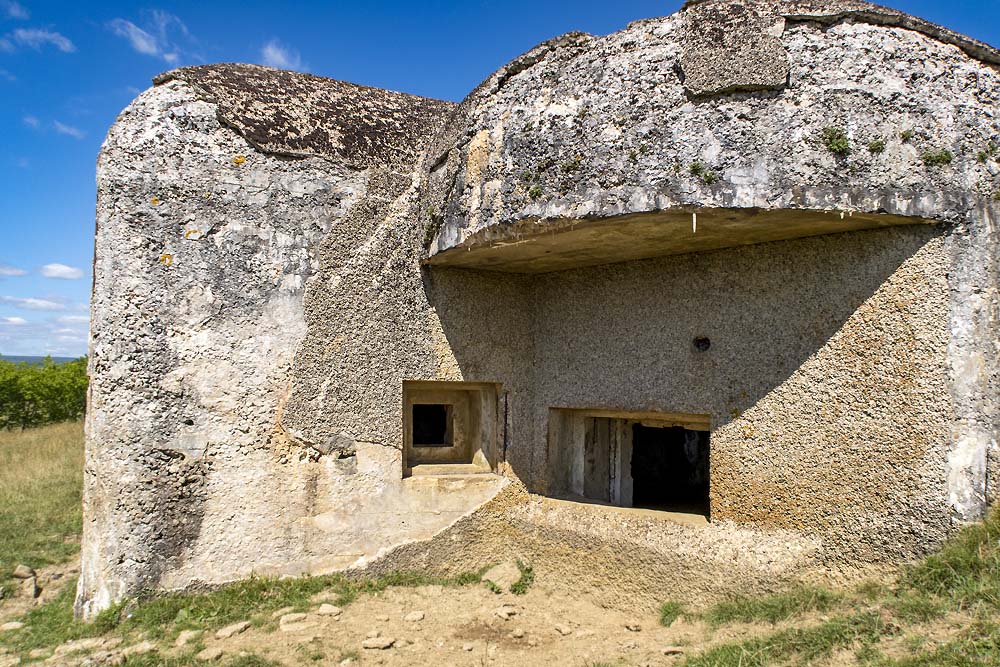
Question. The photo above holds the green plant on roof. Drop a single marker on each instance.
(937, 157)
(836, 141)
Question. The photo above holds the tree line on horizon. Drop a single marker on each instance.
(35, 394)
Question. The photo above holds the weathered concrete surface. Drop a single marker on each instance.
(205, 248)
(270, 270)
(587, 128)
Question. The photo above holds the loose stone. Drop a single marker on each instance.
(210, 654)
(232, 630)
(329, 610)
(378, 643)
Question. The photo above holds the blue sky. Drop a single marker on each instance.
(68, 68)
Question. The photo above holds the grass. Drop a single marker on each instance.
(963, 577)
(796, 645)
(670, 611)
(521, 586)
(155, 659)
(771, 608)
(41, 477)
(165, 616)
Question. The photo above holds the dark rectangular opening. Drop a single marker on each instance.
(670, 469)
(432, 425)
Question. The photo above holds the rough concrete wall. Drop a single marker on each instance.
(208, 258)
(827, 378)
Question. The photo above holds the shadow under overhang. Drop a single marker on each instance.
(542, 246)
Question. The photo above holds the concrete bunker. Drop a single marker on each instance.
(402, 326)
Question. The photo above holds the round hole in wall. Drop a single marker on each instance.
(702, 343)
(189, 422)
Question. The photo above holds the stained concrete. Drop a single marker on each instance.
(277, 254)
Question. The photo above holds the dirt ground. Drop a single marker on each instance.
(465, 627)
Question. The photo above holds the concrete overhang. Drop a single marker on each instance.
(542, 246)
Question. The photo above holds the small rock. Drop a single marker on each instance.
(23, 572)
(673, 650)
(105, 659)
(281, 612)
(503, 575)
(372, 634)
(467, 647)
(346, 662)
(9, 660)
(379, 643)
(39, 653)
(232, 630)
(329, 610)
(75, 645)
(564, 630)
(112, 642)
(210, 654)
(13, 625)
(29, 588)
(630, 645)
(139, 649)
(3, 592)
(532, 642)
(517, 633)
(186, 636)
(414, 617)
(505, 612)
(289, 619)
(382, 617)
(633, 627)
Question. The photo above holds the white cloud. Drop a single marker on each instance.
(73, 319)
(140, 40)
(275, 54)
(31, 303)
(36, 38)
(68, 130)
(15, 10)
(31, 121)
(7, 270)
(49, 336)
(62, 271)
(6, 75)
(156, 37)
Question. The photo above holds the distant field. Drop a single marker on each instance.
(33, 360)
(41, 477)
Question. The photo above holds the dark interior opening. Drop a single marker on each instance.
(670, 469)
(432, 425)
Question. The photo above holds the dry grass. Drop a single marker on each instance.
(41, 477)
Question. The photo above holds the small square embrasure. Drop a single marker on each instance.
(432, 425)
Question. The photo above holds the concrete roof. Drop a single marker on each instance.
(289, 113)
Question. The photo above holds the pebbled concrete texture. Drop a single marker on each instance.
(277, 253)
